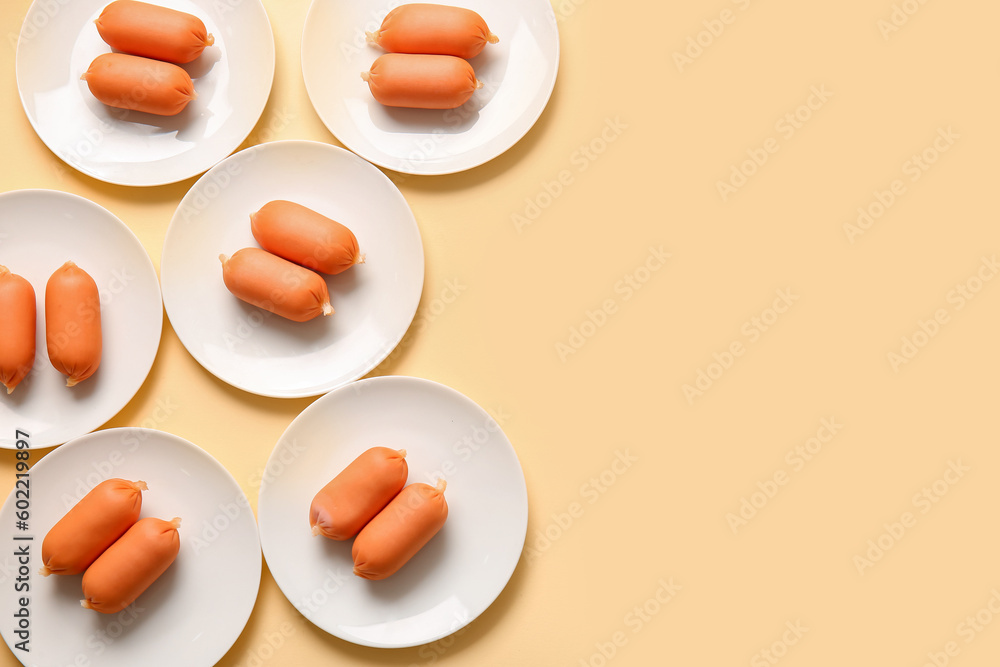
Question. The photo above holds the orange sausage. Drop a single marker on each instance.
(305, 237)
(153, 31)
(131, 565)
(140, 84)
(400, 530)
(421, 81)
(358, 493)
(17, 328)
(427, 28)
(275, 284)
(73, 323)
(91, 526)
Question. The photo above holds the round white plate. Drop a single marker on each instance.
(518, 75)
(39, 231)
(263, 353)
(232, 78)
(194, 612)
(458, 574)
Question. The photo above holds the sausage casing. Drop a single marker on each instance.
(131, 565)
(352, 498)
(73, 323)
(152, 31)
(139, 84)
(91, 526)
(421, 81)
(17, 328)
(399, 531)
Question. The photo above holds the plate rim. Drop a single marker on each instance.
(445, 171)
(80, 200)
(417, 382)
(310, 144)
(155, 182)
(151, 436)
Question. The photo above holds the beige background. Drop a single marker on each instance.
(677, 132)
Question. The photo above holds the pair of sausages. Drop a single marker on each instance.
(426, 67)
(103, 537)
(72, 325)
(369, 499)
(281, 277)
(146, 76)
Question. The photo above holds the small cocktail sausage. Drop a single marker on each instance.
(358, 493)
(429, 28)
(131, 565)
(73, 323)
(142, 29)
(303, 236)
(139, 84)
(275, 284)
(91, 526)
(17, 328)
(400, 530)
(421, 81)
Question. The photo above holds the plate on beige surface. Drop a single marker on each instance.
(458, 574)
(253, 349)
(232, 78)
(39, 231)
(518, 75)
(193, 613)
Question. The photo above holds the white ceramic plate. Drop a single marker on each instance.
(458, 574)
(39, 231)
(518, 75)
(233, 77)
(263, 353)
(194, 612)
